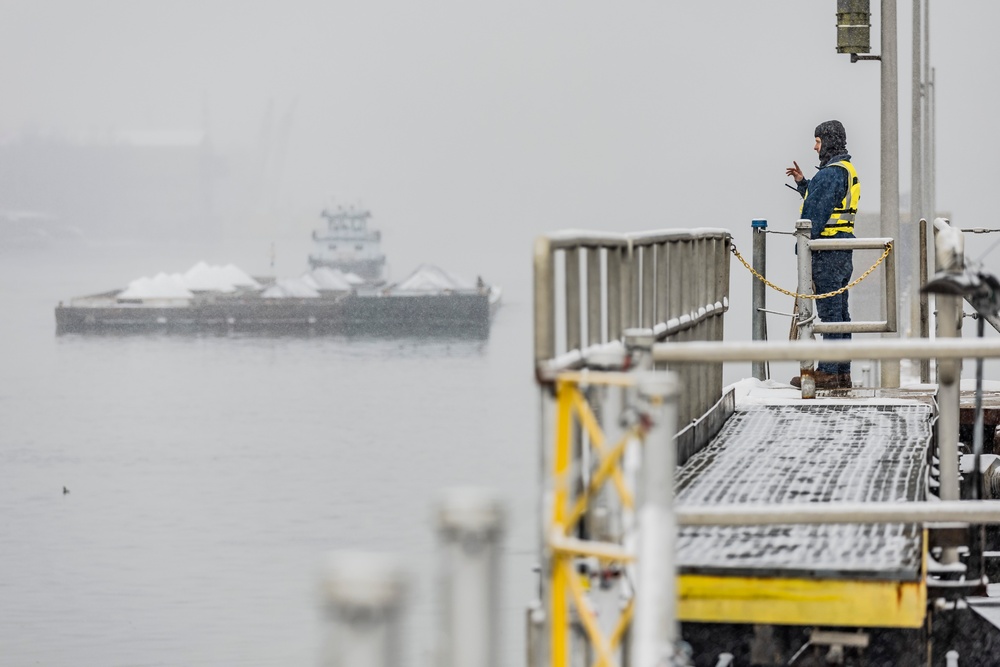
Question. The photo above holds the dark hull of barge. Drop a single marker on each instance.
(445, 315)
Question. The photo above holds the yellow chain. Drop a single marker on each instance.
(888, 249)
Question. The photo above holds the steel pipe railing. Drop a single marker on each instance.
(805, 279)
(854, 326)
(849, 244)
(881, 349)
(961, 511)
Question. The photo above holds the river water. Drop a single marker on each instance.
(208, 477)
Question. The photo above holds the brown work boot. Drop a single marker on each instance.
(823, 380)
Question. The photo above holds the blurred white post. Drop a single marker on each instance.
(363, 600)
(470, 526)
(655, 629)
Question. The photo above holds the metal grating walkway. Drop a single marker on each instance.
(795, 453)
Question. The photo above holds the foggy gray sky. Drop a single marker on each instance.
(465, 123)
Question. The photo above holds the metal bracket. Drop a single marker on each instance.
(775, 312)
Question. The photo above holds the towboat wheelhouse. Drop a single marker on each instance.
(348, 245)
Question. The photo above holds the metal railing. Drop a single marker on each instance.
(601, 300)
(592, 288)
(646, 631)
(804, 316)
(805, 307)
(594, 423)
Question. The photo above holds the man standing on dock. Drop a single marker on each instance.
(830, 201)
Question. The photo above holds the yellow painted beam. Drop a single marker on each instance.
(559, 593)
(884, 604)
(609, 378)
(609, 463)
(605, 551)
(589, 422)
(589, 620)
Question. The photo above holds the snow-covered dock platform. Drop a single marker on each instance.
(778, 449)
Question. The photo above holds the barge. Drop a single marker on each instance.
(318, 302)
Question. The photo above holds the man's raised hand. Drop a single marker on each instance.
(794, 172)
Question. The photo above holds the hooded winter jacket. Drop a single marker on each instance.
(826, 190)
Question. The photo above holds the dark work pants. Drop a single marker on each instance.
(832, 270)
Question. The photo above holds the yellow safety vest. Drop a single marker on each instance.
(842, 217)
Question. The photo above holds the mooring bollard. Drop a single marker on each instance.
(363, 601)
(655, 630)
(470, 525)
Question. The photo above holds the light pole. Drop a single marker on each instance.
(852, 37)
(889, 201)
(916, 164)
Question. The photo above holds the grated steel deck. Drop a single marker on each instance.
(821, 452)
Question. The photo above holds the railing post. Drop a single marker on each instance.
(701, 371)
(363, 600)
(722, 298)
(574, 335)
(648, 284)
(470, 527)
(613, 283)
(639, 345)
(655, 629)
(539, 616)
(925, 364)
(686, 373)
(595, 330)
(892, 303)
(663, 260)
(545, 302)
(535, 645)
(759, 294)
(949, 314)
(803, 230)
(630, 286)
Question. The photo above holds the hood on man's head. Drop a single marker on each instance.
(833, 139)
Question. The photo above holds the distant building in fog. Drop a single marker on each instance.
(141, 184)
